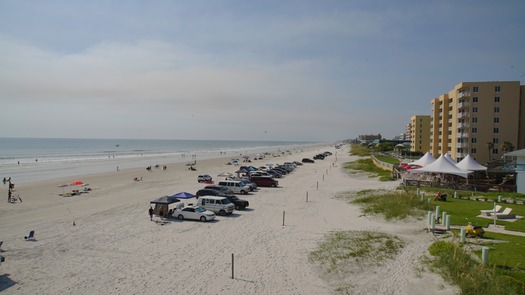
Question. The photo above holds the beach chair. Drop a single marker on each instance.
(30, 236)
(488, 212)
(505, 214)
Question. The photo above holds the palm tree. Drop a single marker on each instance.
(490, 146)
(506, 147)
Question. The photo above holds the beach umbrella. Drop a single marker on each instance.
(183, 195)
(77, 182)
(225, 174)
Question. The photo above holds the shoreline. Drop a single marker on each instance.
(31, 172)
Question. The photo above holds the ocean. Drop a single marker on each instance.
(36, 159)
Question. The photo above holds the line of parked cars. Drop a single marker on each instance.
(221, 199)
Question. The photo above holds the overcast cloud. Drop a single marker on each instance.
(246, 70)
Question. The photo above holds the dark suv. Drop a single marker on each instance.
(221, 188)
(240, 204)
(264, 181)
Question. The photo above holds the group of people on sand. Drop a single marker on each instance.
(157, 166)
(161, 213)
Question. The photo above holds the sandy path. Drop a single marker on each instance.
(115, 249)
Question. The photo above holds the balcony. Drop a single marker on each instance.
(463, 104)
(463, 115)
(463, 94)
(462, 145)
(463, 125)
(462, 135)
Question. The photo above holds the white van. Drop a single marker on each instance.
(236, 186)
(219, 205)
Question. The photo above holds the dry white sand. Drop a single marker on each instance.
(115, 249)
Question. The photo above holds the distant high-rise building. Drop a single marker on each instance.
(419, 133)
(370, 137)
(408, 132)
(476, 118)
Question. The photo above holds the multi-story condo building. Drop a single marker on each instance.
(408, 132)
(419, 133)
(370, 137)
(476, 118)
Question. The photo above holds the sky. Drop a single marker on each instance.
(244, 70)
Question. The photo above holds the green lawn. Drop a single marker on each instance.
(460, 210)
(506, 252)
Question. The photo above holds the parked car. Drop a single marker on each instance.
(240, 204)
(275, 173)
(237, 187)
(246, 180)
(193, 212)
(219, 205)
(319, 157)
(308, 160)
(260, 173)
(264, 181)
(204, 178)
(208, 192)
(251, 185)
(221, 188)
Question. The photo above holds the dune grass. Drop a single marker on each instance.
(359, 150)
(342, 253)
(368, 166)
(459, 267)
(392, 205)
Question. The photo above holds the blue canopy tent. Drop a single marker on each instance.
(183, 195)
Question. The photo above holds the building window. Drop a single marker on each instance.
(475, 109)
(496, 120)
(475, 89)
(496, 99)
(494, 151)
(496, 130)
(496, 110)
(474, 119)
(475, 99)
(474, 140)
(474, 130)
(497, 89)
(495, 141)
(473, 150)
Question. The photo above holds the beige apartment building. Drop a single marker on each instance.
(419, 133)
(473, 114)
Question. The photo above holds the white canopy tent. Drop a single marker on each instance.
(449, 158)
(442, 165)
(424, 161)
(469, 164)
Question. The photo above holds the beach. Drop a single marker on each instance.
(103, 242)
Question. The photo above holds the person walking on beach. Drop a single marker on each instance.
(150, 213)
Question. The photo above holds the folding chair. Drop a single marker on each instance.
(30, 236)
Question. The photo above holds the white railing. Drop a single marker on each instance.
(463, 104)
(463, 94)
